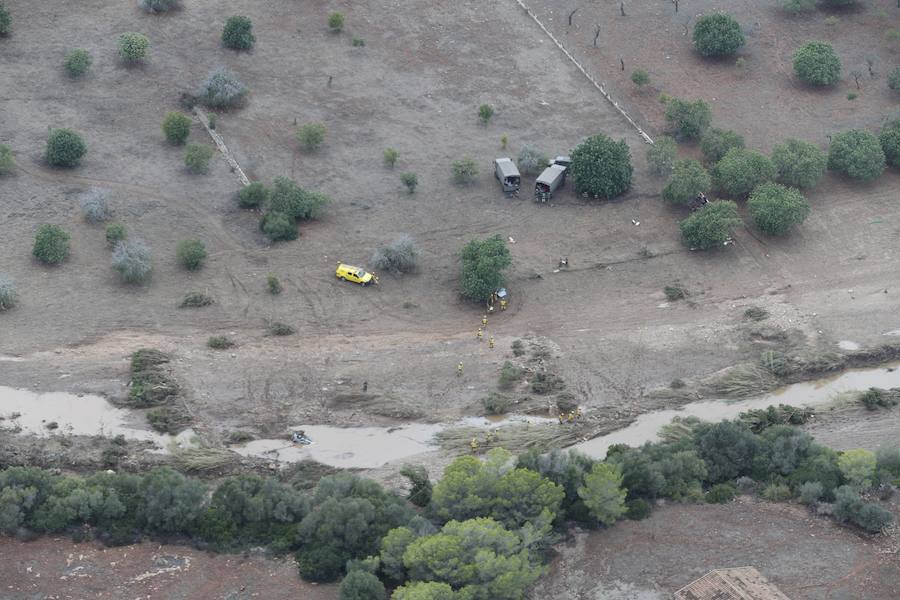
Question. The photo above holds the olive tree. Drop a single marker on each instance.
(717, 34)
(775, 209)
(238, 33)
(856, 153)
(816, 63)
(65, 148)
(894, 80)
(661, 155)
(711, 225)
(222, 89)
(132, 260)
(741, 170)
(531, 161)
(716, 142)
(689, 178)
(483, 262)
(8, 294)
(77, 62)
(601, 167)
(688, 119)
(133, 46)
(890, 142)
(798, 163)
(51, 244)
(5, 21)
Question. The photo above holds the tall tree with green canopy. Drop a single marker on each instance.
(483, 262)
(603, 494)
(711, 225)
(601, 167)
(494, 488)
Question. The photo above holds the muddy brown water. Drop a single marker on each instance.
(372, 447)
(808, 393)
(86, 414)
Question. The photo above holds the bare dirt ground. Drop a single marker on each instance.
(415, 86)
(807, 557)
(57, 568)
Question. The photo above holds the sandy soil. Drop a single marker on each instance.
(807, 557)
(57, 568)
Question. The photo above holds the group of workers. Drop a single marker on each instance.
(479, 335)
(491, 437)
(569, 417)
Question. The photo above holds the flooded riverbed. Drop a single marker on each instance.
(810, 393)
(372, 447)
(86, 414)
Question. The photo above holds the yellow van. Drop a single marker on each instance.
(354, 274)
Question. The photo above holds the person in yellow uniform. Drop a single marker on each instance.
(459, 370)
(484, 321)
(473, 444)
(491, 342)
(479, 334)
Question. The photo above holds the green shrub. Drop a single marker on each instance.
(278, 226)
(420, 484)
(168, 419)
(253, 195)
(894, 80)
(674, 292)
(688, 119)
(5, 21)
(777, 492)
(740, 171)
(811, 492)
(711, 225)
(796, 7)
(176, 127)
(359, 585)
(289, 198)
(720, 493)
(638, 509)
(852, 95)
(689, 179)
(51, 244)
(531, 161)
(509, 374)
(887, 460)
(191, 254)
(890, 142)
(872, 517)
(222, 89)
(716, 142)
(661, 155)
(401, 256)
(220, 342)
(94, 207)
(115, 233)
(717, 34)
(7, 161)
(238, 33)
(390, 157)
(410, 180)
(846, 503)
(856, 153)
(816, 63)
(640, 78)
(495, 404)
(8, 293)
(483, 262)
(133, 261)
(776, 209)
(197, 157)
(280, 329)
(464, 170)
(336, 22)
(158, 6)
(195, 300)
(799, 164)
(133, 46)
(858, 467)
(65, 148)
(357, 42)
(311, 136)
(485, 112)
(77, 62)
(273, 285)
(601, 167)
